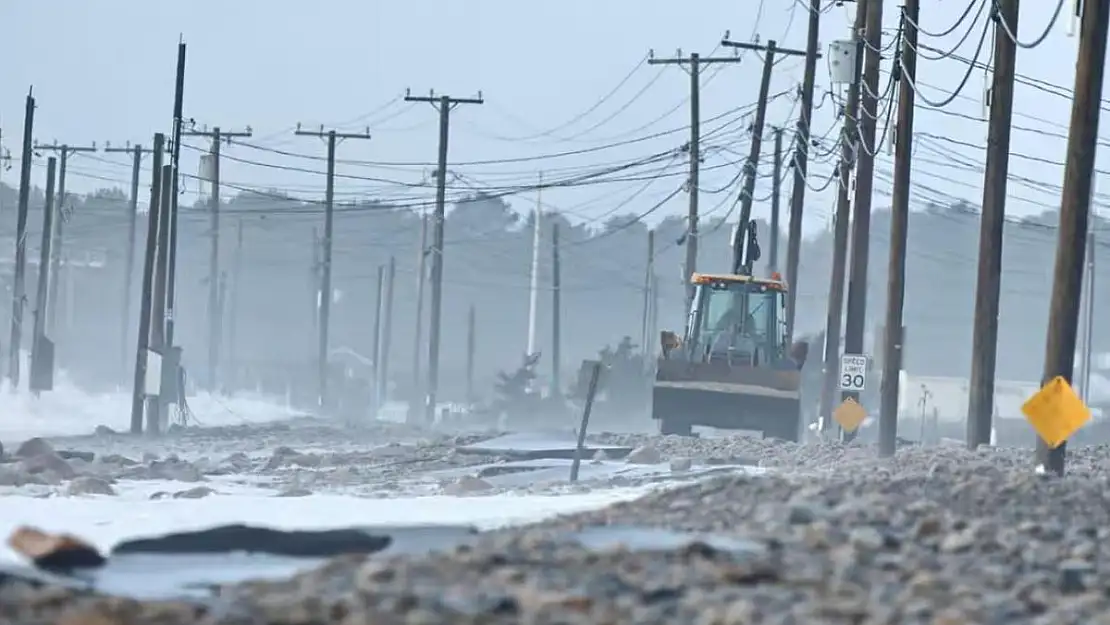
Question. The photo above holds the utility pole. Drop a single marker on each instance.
(742, 262)
(138, 387)
(856, 323)
(161, 266)
(18, 285)
(169, 369)
(63, 152)
(905, 66)
(414, 413)
(534, 277)
(556, 314)
(161, 312)
(136, 152)
(776, 192)
(214, 317)
(835, 313)
(984, 341)
(801, 165)
(443, 104)
(1075, 208)
(332, 137)
(693, 66)
(471, 347)
(387, 333)
(38, 339)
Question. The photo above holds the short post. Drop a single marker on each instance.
(595, 372)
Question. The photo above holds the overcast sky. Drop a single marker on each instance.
(103, 71)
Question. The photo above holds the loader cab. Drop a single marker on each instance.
(739, 319)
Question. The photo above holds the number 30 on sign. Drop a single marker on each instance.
(853, 372)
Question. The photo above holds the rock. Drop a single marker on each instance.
(294, 492)
(49, 463)
(12, 477)
(866, 538)
(117, 459)
(681, 465)
(645, 454)
(286, 456)
(33, 447)
(959, 540)
(89, 486)
(238, 461)
(467, 485)
(173, 469)
(103, 430)
(1073, 576)
(802, 514)
(197, 492)
(159, 495)
(85, 456)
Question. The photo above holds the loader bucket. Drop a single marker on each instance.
(720, 395)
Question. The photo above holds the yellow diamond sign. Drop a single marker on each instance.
(849, 415)
(1056, 412)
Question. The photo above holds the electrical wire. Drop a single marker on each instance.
(997, 13)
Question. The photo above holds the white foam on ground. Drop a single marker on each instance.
(69, 411)
(105, 521)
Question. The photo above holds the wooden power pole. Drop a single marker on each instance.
(835, 313)
(800, 163)
(332, 137)
(142, 350)
(41, 352)
(693, 64)
(215, 318)
(905, 66)
(19, 296)
(1075, 208)
(63, 151)
(741, 262)
(855, 323)
(776, 201)
(984, 341)
(443, 104)
(161, 314)
(137, 153)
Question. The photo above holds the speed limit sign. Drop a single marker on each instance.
(853, 372)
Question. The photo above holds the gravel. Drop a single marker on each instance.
(938, 536)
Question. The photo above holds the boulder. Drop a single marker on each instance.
(467, 485)
(198, 492)
(34, 447)
(90, 486)
(50, 463)
(645, 454)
